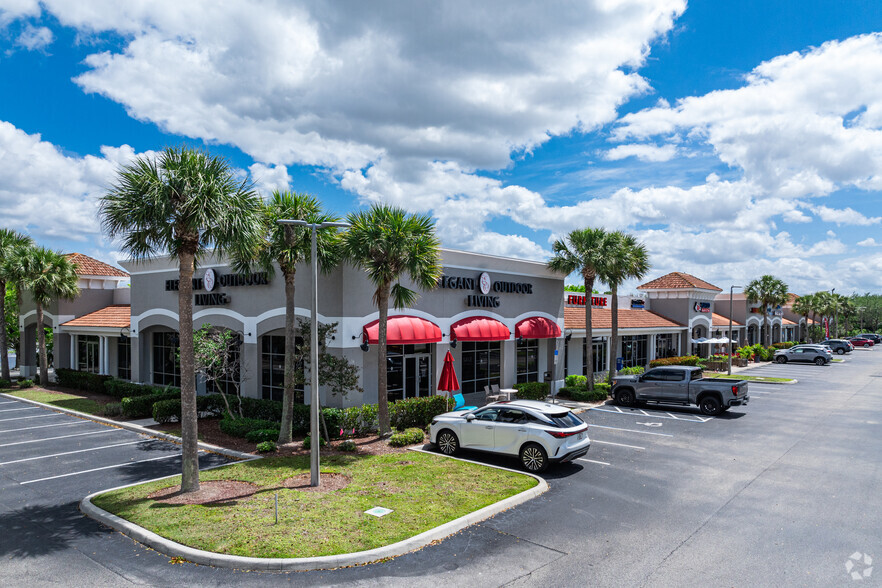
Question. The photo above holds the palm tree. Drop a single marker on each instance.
(628, 260)
(10, 241)
(288, 245)
(803, 306)
(48, 276)
(180, 202)
(387, 243)
(585, 251)
(768, 291)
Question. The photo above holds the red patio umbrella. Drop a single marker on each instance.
(448, 382)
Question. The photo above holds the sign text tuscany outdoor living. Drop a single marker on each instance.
(484, 285)
(210, 280)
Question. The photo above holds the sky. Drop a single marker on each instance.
(734, 139)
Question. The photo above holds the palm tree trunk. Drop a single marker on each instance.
(767, 327)
(382, 374)
(290, 341)
(614, 330)
(189, 427)
(4, 344)
(41, 338)
(589, 336)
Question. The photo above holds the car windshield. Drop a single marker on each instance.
(564, 420)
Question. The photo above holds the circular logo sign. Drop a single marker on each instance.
(485, 283)
(209, 280)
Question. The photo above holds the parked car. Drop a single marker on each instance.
(536, 432)
(680, 385)
(876, 339)
(818, 354)
(839, 346)
(862, 342)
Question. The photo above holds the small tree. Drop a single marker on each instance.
(216, 356)
(11, 244)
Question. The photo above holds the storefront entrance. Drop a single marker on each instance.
(409, 371)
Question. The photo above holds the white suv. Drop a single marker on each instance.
(537, 432)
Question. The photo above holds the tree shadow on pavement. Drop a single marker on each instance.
(37, 530)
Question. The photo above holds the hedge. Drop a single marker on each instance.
(360, 421)
(122, 389)
(416, 412)
(576, 380)
(532, 390)
(261, 435)
(5, 383)
(139, 407)
(410, 436)
(681, 360)
(241, 427)
(166, 411)
(582, 394)
(77, 380)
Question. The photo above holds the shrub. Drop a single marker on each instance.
(361, 420)
(348, 445)
(681, 360)
(112, 409)
(241, 427)
(745, 352)
(139, 407)
(533, 390)
(416, 412)
(307, 442)
(5, 383)
(78, 380)
(602, 386)
(585, 395)
(122, 389)
(266, 446)
(261, 435)
(334, 421)
(631, 371)
(410, 436)
(574, 380)
(25, 383)
(166, 411)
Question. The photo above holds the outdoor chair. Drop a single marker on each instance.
(460, 402)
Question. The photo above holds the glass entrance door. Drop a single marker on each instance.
(417, 376)
(408, 371)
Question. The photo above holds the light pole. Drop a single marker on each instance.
(731, 294)
(313, 349)
(835, 312)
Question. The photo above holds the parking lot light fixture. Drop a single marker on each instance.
(731, 293)
(313, 352)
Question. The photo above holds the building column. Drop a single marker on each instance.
(509, 367)
(651, 350)
(73, 352)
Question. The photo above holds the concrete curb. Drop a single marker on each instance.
(303, 564)
(135, 428)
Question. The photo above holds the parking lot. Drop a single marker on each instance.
(782, 491)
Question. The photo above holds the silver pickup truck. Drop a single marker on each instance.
(680, 385)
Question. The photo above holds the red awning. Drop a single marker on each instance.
(537, 327)
(479, 328)
(403, 330)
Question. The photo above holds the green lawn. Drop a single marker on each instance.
(423, 490)
(765, 379)
(59, 399)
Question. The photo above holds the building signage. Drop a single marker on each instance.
(702, 307)
(637, 303)
(579, 300)
(210, 280)
(485, 285)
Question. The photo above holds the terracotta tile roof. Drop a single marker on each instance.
(601, 318)
(89, 266)
(678, 280)
(785, 321)
(722, 321)
(117, 316)
(791, 298)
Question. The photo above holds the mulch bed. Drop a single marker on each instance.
(209, 492)
(327, 482)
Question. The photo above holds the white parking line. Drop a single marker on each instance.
(3, 463)
(45, 426)
(14, 409)
(591, 461)
(689, 419)
(60, 437)
(602, 443)
(110, 467)
(632, 431)
(10, 402)
(39, 416)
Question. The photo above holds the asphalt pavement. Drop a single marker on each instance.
(784, 491)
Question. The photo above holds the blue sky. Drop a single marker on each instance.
(733, 138)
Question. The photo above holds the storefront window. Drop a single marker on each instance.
(634, 350)
(409, 371)
(528, 360)
(272, 363)
(598, 356)
(124, 358)
(665, 346)
(166, 364)
(87, 353)
(480, 365)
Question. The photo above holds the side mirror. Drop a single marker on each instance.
(470, 417)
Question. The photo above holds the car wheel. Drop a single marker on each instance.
(710, 406)
(820, 361)
(781, 359)
(447, 442)
(866, 345)
(625, 398)
(840, 351)
(533, 458)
